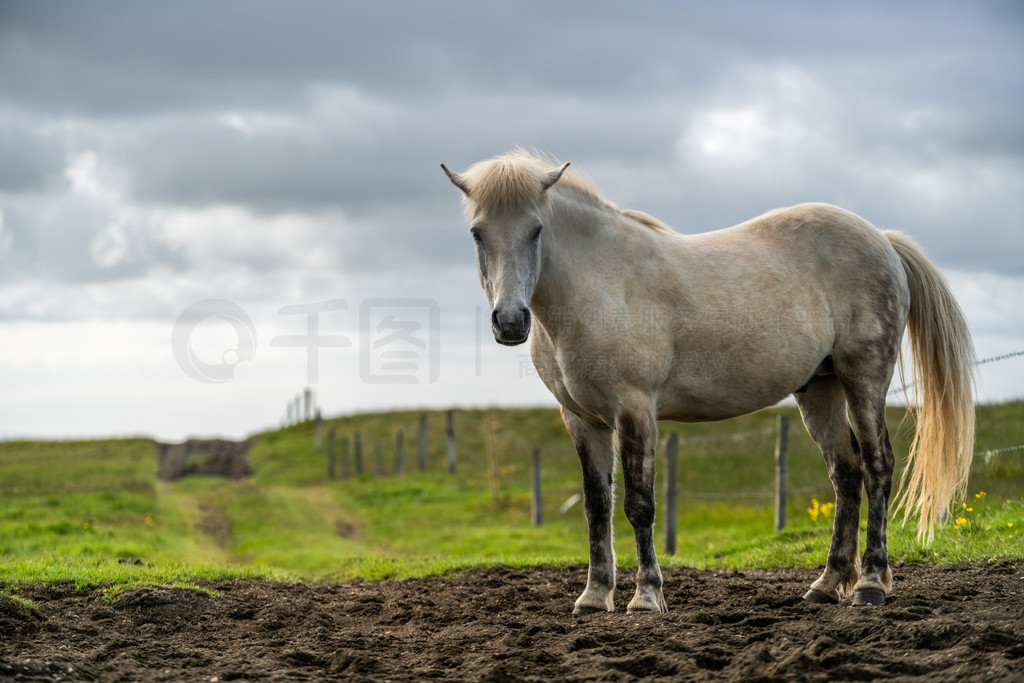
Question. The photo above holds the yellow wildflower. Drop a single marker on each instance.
(813, 510)
(980, 494)
(960, 521)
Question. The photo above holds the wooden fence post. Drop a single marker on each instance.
(781, 472)
(307, 397)
(492, 458)
(358, 442)
(671, 481)
(399, 453)
(537, 507)
(288, 413)
(330, 454)
(451, 442)
(422, 455)
(318, 431)
(378, 460)
(344, 458)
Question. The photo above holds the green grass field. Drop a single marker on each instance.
(94, 514)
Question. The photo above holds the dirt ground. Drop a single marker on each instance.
(941, 623)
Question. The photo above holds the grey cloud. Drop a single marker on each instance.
(31, 159)
(253, 53)
(198, 160)
(275, 153)
(614, 89)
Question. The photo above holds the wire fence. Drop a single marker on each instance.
(511, 470)
(902, 389)
(739, 495)
(351, 457)
(998, 451)
(514, 463)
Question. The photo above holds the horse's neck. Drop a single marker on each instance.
(581, 257)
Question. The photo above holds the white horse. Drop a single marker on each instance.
(633, 323)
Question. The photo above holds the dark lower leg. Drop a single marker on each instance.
(594, 448)
(597, 500)
(841, 566)
(637, 438)
(878, 465)
(867, 415)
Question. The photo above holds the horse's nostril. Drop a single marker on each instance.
(510, 324)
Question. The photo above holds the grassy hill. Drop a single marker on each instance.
(93, 512)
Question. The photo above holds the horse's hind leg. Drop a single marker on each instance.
(867, 413)
(823, 408)
(597, 458)
(637, 434)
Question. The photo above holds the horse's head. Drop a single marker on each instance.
(503, 203)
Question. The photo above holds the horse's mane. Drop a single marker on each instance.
(516, 178)
(647, 219)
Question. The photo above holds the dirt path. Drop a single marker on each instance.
(944, 623)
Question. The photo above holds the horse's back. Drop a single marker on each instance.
(816, 229)
(812, 245)
(771, 298)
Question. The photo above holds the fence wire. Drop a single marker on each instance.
(820, 487)
(998, 451)
(983, 361)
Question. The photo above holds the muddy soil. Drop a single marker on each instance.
(942, 623)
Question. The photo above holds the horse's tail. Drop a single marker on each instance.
(943, 378)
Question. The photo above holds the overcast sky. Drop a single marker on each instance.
(275, 155)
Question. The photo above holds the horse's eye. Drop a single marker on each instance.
(476, 235)
(536, 232)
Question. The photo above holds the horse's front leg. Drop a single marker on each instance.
(594, 448)
(638, 437)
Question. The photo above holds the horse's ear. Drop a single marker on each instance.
(457, 180)
(552, 178)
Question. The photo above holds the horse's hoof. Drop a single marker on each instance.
(819, 598)
(647, 606)
(868, 596)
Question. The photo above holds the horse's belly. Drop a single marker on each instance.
(719, 395)
(684, 408)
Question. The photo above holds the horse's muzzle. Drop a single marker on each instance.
(511, 326)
